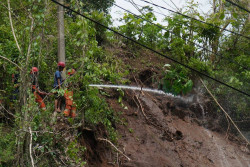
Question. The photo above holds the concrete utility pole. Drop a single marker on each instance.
(61, 39)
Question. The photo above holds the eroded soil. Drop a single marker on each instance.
(167, 140)
(162, 131)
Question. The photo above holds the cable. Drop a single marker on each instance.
(175, 61)
(173, 4)
(136, 7)
(157, 7)
(196, 19)
(144, 6)
(168, 4)
(245, 68)
(161, 27)
(238, 6)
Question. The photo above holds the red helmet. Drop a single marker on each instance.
(71, 71)
(61, 64)
(34, 69)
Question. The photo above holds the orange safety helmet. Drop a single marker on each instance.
(71, 71)
(34, 69)
(61, 64)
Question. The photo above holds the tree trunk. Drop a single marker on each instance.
(61, 39)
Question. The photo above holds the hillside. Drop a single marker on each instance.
(165, 130)
(77, 90)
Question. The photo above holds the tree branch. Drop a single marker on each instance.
(225, 112)
(12, 28)
(106, 140)
(11, 62)
(31, 38)
(32, 161)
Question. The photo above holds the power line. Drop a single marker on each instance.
(238, 6)
(157, 7)
(168, 4)
(139, 10)
(161, 27)
(175, 61)
(133, 3)
(144, 6)
(232, 61)
(196, 19)
(173, 4)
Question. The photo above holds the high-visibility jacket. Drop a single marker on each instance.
(37, 93)
(70, 108)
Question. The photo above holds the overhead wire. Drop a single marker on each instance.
(168, 4)
(143, 6)
(139, 10)
(232, 61)
(224, 29)
(147, 47)
(238, 6)
(245, 68)
(157, 7)
(133, 3)
(163, 28)
(172, 3)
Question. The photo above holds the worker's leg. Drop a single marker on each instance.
(59, 104)
(73, 111)
(68, 102)
(67, 110)
(56, 102)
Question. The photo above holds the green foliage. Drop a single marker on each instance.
(7, 145)
(100, 5)
(100, 30)
(86, 52)
(141, 30)
(200, 65)
(74, 151)
(176, 81)
(97, 111)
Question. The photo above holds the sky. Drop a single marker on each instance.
(204, 7)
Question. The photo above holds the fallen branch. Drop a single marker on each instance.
(225, 112)
(142, 110)
(106, 140)
(138, 84)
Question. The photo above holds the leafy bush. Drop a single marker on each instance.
(176, 80)
(7, 146)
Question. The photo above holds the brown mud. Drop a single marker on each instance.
(154, 133)
(163, 131)
(173, 139)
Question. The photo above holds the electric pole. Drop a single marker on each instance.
(61, 39)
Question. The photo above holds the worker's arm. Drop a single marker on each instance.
(41, 92)
(59, 83)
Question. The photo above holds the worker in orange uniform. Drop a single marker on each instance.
(70, 108)
(35, 89)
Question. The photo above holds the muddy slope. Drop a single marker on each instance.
(163, 131)
(159, 131)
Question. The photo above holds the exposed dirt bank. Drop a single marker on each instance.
(163, 135)
(161, 131)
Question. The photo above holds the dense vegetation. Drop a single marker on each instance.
(33, 22)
